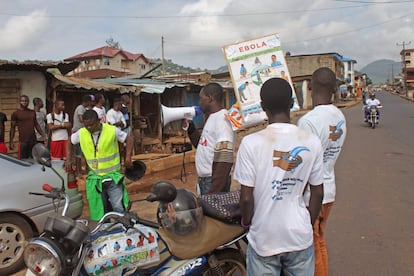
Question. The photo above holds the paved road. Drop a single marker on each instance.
(371, 228)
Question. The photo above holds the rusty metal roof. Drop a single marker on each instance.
(64, 67)
(78, 83)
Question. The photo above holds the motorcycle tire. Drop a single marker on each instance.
(373, 123)
(230, 261)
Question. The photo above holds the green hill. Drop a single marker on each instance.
(381, 71)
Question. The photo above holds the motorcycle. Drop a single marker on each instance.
(372, 116)
(125, 244)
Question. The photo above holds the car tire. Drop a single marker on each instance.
(14, 232)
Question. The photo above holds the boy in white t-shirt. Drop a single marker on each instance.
(274, 166)
(327, 122)
(114, 116)
(100, 107)
(58, 123)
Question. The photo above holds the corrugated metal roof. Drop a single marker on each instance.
(89, 84)
(144, 85)
(64, 67)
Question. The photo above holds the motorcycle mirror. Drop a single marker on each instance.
(162, 191)
(41, 154)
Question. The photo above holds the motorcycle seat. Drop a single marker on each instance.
(211, 235)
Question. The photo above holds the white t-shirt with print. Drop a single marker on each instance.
(61, 133)
(216, 129)
(329, 124)
(278, 162)
(113, 117)
(101, 113)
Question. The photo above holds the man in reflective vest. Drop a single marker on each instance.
(105, 185)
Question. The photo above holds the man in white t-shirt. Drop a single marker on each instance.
(214, 155)
(114, 116)
(371, 101)
(100, 107)
(58, 123)
(274, 166)
(327, 122)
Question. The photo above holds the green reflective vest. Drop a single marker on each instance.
(102, 158)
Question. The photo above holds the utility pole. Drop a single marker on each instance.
(392, 76)
(403, 44)
(163, 58)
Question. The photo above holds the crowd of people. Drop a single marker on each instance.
(286, 171)
(95, 134)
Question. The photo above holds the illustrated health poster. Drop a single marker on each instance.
(251, 63)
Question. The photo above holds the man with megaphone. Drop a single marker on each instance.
(214, 154)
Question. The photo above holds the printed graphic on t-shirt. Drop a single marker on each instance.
(284, 187)
(335, 132)
(288, 160)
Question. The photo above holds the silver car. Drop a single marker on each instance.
(22, 215)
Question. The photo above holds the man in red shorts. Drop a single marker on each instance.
(25, 120)
(58, 123)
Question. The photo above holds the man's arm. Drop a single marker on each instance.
(128, 155)
(39, 129)
(315, 201)
(193, 133)
(222, 164)
(246, 204)
(12, 132)
(68, 161)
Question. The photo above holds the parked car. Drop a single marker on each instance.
(22, 215)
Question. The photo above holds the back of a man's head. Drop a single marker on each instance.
(323, 80)
(276, 96)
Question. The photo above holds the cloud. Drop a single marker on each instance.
(20, 32)
(195, 31)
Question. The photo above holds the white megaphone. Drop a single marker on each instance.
(169, 114)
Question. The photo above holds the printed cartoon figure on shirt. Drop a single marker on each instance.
(288, 161)
(335, 132)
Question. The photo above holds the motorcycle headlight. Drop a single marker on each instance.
(43, 257)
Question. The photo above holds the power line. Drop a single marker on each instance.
(192, 16)
(376, 2)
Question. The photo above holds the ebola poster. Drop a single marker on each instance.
(250, 64)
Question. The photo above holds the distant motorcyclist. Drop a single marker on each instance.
(371, 101)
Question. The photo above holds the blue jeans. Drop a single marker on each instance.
(204, 183)
(297, 263)
(112, 195)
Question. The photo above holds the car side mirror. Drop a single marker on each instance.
(41, 154)
(162, 191)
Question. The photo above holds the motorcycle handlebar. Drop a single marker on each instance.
(128, 220)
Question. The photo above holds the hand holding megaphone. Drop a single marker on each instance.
(188, 125)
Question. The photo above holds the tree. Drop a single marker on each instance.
(111, 42)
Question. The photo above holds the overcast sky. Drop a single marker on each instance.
(195, 31)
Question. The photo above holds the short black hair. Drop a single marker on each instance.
(117, 101)
(98, 97)
(86, 98)
(324, 77)
(90, 114)
(214, 90)
(58, 101)
(36, 100)
(276, 95)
